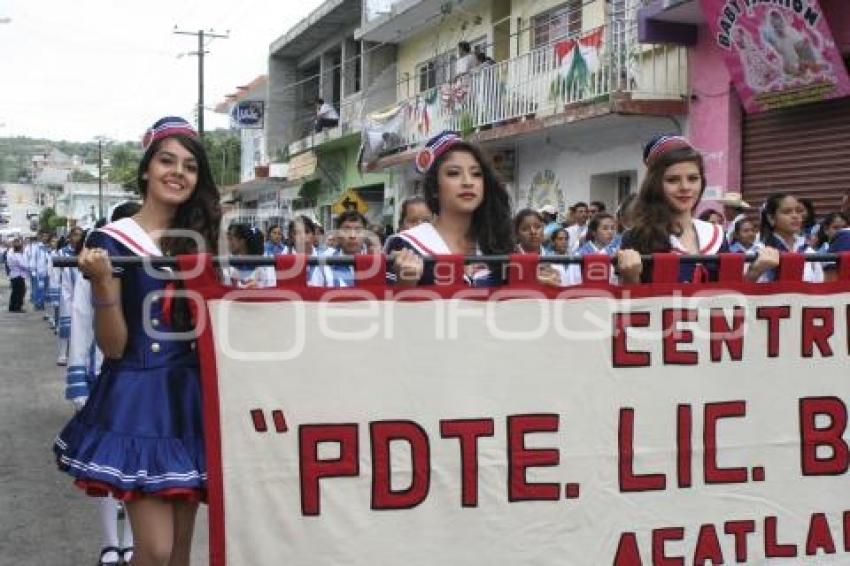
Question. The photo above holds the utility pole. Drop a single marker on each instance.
(201, 34)
(100, 177)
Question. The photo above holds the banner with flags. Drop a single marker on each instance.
(579, 58)
(525, 425)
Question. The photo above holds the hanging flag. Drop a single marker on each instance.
(579, 58)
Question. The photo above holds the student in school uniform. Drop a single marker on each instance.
(831, 224)
(529, 228)
(302, 233)
(782, 219)
(66, 277)
(28, 255)
(599, 239)
(246, 240)
(557, 240)
(18, 273)
(40, 265)
(414, 211)
(350, 238)
(840, 243)
(51, 296)
(745, 237)
(139, 436)
(662, 216)
(472, 215)
(275, 245)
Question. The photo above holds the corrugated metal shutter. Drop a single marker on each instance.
(803, 150)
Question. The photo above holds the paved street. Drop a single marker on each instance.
(44, 519)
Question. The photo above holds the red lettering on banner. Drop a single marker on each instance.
(812, 437)
(819, 537)
(627, 551)
(673, 336)
(521, 458)
(629, 481)
(722, 334)
(382, 434)
(684, 444)
(620, 353)
(468, 431)
(740, 530)
(773, 548)
(713, 413)
(846, 524)
(659, 541)
(817, 334)
(312, 469)
(773, 315)
(708, 546)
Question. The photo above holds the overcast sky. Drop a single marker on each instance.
(77, 69)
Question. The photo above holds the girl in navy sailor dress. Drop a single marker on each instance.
(139, 437)
(472, 215)
(662, 217)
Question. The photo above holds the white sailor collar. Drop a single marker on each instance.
(709, 238)
(128, 232)
(425, 239)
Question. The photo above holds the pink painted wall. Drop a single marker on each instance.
(837, 13)
(714, 119)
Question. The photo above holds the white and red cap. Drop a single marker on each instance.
(660, 145)
(165, 127)
(434, 148)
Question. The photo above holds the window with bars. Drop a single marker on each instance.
(426, 74)
(559, 22)
(436, 71)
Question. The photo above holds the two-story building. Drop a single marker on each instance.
(320, 58)
(802, 147)
(564, 103)
(80, 202)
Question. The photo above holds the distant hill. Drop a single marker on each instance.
(16, 154)
(223, 149)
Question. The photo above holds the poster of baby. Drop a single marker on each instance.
(779, 52)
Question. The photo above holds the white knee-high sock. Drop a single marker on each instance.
(127, 539)
(108, 510)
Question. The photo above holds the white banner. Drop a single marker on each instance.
(465, 432)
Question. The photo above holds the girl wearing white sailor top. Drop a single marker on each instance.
(781, 224)
(139, 436)
(528, 231)
(663, 216)
(246, 240)
(472, 215)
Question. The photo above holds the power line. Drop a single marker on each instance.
(201, 34)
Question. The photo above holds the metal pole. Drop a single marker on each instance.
(201, 82)
(100, 178)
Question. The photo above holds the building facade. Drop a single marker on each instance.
(803, 149)
(563, 105)
(320, 58)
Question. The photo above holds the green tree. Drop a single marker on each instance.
(78, 176)
(45, 218)
(123, 166)
(224, 151)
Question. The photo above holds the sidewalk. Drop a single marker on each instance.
(44, 519)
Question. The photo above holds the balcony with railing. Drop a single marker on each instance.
(614, 71)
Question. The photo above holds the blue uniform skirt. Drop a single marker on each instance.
(139, 434)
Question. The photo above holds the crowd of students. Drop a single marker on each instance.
(466, 210)
(137, 435)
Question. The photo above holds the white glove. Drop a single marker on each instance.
(79, 402)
